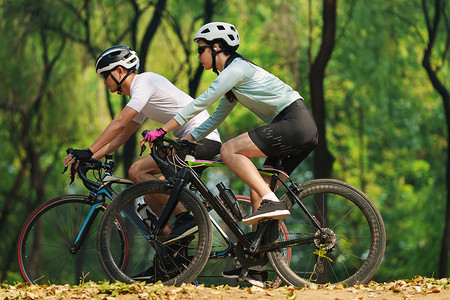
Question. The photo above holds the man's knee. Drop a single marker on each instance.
(142, 170)
(133, 172)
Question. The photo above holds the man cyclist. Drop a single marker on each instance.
(151, 96)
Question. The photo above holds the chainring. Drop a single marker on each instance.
(247, 259)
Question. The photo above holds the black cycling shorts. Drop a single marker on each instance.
(207, 149)
(292, 135)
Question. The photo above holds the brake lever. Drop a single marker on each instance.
(144, 133)
(72, 168)
(73, 171)
(142, 149)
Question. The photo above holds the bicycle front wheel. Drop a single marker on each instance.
(150, 259)
(351, 245)
(46, 251)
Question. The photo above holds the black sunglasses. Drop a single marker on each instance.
(105, 75)
(201, 49)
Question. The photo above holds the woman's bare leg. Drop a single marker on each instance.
(236, 153)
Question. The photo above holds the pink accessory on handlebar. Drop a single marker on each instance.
(152, 135)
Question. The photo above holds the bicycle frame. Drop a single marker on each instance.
(187, 175)
(99, 194)
(98, 197)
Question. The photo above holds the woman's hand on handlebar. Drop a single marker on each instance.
(150, 136)
(153, 135)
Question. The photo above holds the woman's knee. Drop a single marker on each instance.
(227, 149)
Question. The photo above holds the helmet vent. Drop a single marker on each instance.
(206, 30)
(115, 53)
(231, 37)
(220, 27)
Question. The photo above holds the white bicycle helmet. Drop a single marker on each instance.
(219, 30)
(117, 56)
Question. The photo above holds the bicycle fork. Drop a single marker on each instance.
(99, 201)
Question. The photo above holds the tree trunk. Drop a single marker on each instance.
(195, 81)
(323, 160)
(150, 32)
(129, 148)
(432, 27)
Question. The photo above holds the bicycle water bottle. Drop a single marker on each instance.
(230, 200)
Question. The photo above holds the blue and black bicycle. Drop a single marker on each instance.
(57, 243)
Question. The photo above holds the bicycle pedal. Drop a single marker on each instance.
(244, 274)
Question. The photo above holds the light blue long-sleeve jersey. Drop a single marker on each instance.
(256, 89)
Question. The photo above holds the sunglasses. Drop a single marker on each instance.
(202, 49)
(105, 75)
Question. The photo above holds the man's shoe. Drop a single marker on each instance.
(184, 226)
(257, 278)
(148, 276)
(148, 216)
(268, 210)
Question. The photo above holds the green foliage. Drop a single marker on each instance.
(385, 123)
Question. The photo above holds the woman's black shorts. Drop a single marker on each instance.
(292, 134)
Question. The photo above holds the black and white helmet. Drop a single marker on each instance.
(116, 56)
(219, 30)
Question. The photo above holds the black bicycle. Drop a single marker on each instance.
(335, 234)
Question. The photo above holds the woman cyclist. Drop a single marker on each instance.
(290, 131)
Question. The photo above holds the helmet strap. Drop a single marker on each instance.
(213, 54)
(119, 84)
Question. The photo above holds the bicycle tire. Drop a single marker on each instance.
(356, 237)
(151, 261)
(46, 237)
(223, 257)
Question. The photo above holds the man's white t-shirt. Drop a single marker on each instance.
(156, 98)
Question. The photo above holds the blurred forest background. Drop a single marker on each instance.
(375, 73)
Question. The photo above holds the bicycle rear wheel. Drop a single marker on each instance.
(352, 244)
(45, 251)
(149, 259)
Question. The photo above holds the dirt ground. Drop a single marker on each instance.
(416, 288)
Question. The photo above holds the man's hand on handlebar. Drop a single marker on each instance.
(76, 155)
(73, 159)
